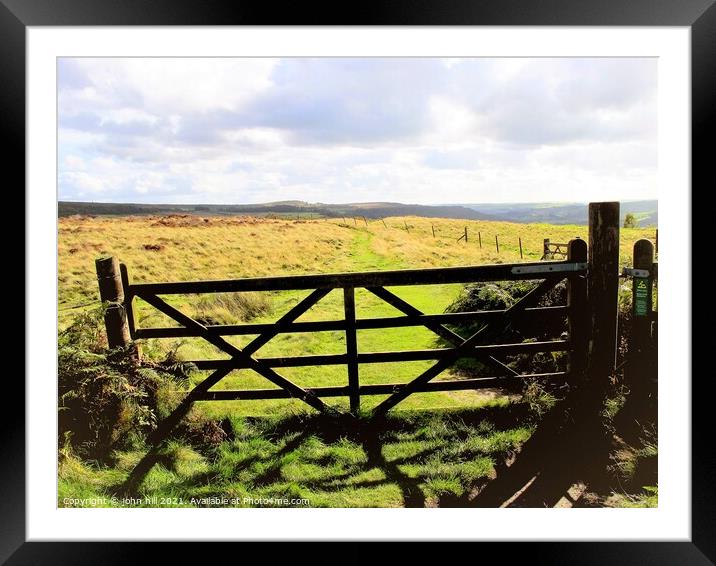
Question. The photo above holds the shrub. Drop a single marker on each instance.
(538, 397)
(500, 295)
(630, 221)
(106, 397)
(504, 294)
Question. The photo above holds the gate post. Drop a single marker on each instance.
(578, 312)
(641, 369)
(602, 292)
(111, 291)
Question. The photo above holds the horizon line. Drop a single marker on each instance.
(288, 201)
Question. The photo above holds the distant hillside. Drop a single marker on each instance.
(369, 210)
(646, 212)
(549, 213)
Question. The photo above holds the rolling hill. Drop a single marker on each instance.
(551, 213)
(646, 212)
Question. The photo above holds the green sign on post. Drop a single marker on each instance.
(641, 296)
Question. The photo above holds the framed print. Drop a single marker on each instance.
(297, 276)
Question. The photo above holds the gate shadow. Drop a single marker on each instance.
(405, 469)
(565, 451)
(560, 453)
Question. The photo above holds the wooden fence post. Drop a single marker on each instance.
(497, 244)
(366, 222)
(433, 227)
(602, 291)
(406, 226)
(111, 292)
(479, 239)
(641, 368)
(466, 234)
(520, 240)
(545, 248)
(351, 348)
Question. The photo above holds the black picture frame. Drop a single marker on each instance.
(699, 15)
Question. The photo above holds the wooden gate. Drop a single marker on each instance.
(495, 321)
(554, 250)
(589, 314)
(590, 325)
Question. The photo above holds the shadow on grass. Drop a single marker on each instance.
(428, 456)
(570, 447)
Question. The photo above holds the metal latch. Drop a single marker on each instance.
(549, 268)
(631, 272)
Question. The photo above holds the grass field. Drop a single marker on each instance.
(277, 447)
(417, 459)
(192, 247)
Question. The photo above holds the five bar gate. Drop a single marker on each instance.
(573, 269)
(554, 250)
(590, 314)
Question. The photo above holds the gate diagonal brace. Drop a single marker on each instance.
(238, 356)
(506, 320)
(439, 329)
(161, 433)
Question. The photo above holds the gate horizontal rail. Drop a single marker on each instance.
(543, 313)
(430, 276)
(392, 357)
(374, 389)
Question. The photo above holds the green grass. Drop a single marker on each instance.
(435, 449)
(414, 459)
(229, 247)
(217, 250)
(430, 299)
(649, 497)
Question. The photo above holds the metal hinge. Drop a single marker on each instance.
(549, 268)
(631, 272)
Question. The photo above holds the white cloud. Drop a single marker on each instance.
(127, 116)
(453, 121)
(336, 130)
(74, 163)
(167, 84)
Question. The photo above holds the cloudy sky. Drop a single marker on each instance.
(421, 130)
